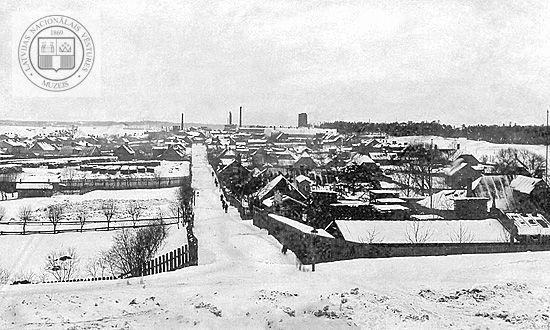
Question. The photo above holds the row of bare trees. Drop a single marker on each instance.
(420, 232)
(56, 212)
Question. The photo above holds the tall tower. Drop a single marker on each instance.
(240, 116)
(302, 119)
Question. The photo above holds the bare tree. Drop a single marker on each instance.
(2, 213)
(418, 232)
(132, 248)
(4, 276)
(461, 234)
(25, 215)
(24, 277)
(69, 174)
(135, 209)
(54, 215)
(418, 164)
(371, 236)
(82, 217)
(109, 209)
(62, 264)
(533, 163)
(519, 161)
(98, 267)
(110, 262)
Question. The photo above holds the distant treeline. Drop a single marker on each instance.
(491, 133)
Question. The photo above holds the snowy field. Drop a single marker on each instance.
(155, 198)
(244, 281)
(31, 131)
(28, 253)
(476, 148)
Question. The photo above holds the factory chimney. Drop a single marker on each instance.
(181, 127)
(230, 118)
(240, 116)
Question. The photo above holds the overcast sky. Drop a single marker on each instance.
(454, 61)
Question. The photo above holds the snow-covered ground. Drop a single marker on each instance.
(24, 254)
(243, 281)
(476, 148)
(161, 197)
(30, 131)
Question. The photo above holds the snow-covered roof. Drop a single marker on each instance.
(524, 184)
(33, 186)
(390, 200)
(455, 168)
(436, 231)
(298, 225)
(388, 208)
(384, 191)
(269, 186)
(443, 200)
(359, 159)
(45, 146)
(530, 224)
(301, 178)
(354, 203)
(128, 149)
(269, 201)
(495, 187)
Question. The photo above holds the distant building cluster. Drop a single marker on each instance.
(76, 157)
(369, 187)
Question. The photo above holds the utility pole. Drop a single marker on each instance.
(430, 174)
(546, 161)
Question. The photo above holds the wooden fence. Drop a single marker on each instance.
(182, 257)
(312, 248)
(113, 225)
(122, 183)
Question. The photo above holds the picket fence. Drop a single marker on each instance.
(179, 258)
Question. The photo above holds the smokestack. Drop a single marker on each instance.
(240, 116)
(230, 118)
(181, 127)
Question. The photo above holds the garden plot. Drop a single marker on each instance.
(153, 202)
(28, 252)
(150, 198)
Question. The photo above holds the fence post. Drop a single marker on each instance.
(179, 258)
(163, 264)
(186, 256)
(171, 261)
(193, 251)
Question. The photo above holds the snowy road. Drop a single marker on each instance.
(243, 281)
(225, 239)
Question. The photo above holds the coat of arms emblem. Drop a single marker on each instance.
(56, 53)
